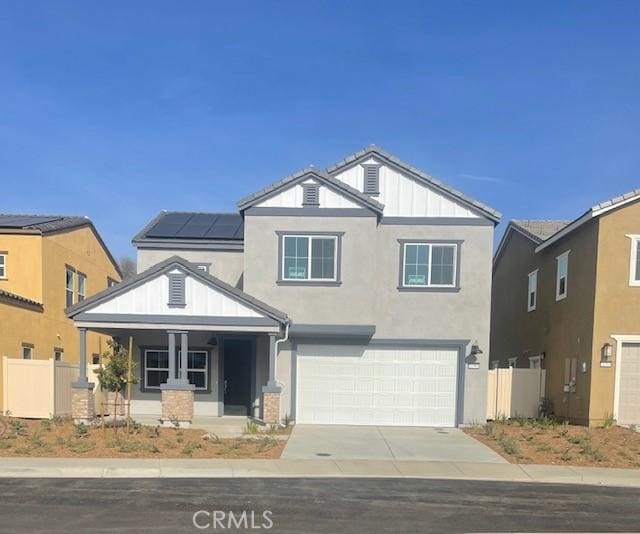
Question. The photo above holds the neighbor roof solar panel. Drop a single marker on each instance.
(198, 226)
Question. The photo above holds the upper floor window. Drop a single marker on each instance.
(309, 258)
(57, 354)
(3, 265)
(532, 294)
(69, 285)
(634, 263)
(27, 351)
(429, 265)
(204, 267)
(82, 287)
(562, 275)
(111, 282)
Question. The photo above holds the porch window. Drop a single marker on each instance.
(156, 368)
(309, 258)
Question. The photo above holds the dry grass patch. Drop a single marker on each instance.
(60, 438)
(545, 441)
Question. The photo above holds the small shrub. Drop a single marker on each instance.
(82, 430)
(598, 456)
(566, 456)
(45, 425)
(489, 429)
(266, 444)
(18, 427)
(58, 420)
(36, 439)
(128, 445)
(23, 451)
(608, 421)
(190, 448)
(80, 446)
(273, 428)
(180, 439)
(544, 447)
(153, 432)
(153, 448)
(4, 444)
(252, 427)
(286, 421)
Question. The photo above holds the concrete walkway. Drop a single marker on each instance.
(311, 442)
(178, 468)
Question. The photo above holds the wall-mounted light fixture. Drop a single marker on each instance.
(475, 349)
(606, 354)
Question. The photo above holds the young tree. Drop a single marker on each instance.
(114, 374)
(127, 267)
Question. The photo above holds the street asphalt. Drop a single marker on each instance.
(311, 505)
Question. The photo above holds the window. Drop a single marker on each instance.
(309, 258)
(513, 362)
(562, 273)
(111, 282)
(95, 359)
(634, 264)
(495, 364)
(156, 369)
(3, 265)
(535, 362)
(371, 179)
(82, 287)
(69, 285)
(57, 354)
(27, 351)
(310, 195)
(204, 267)
(532, 294)
(429, 265)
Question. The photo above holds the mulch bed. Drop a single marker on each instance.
(548, 442)
(60, 438)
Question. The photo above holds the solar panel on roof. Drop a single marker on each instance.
(20, 221)
(199, 226)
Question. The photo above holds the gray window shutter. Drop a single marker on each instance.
(310, 195)
(371, 179)
(176, 290)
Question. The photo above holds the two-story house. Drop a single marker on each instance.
(359, 294)
(566, 296)
(48, 263)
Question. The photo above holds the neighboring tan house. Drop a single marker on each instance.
(566, 296)
(359, 294)
(46, 264)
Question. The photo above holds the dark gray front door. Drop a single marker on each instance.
(238, 356)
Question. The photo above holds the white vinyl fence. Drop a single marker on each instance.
(39, 388)
(515, 393)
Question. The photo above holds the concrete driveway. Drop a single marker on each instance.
(386, 443)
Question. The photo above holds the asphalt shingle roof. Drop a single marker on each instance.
(539, 230)
(19, 298)
(43, 223)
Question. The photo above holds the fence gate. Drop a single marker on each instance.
(515, 393)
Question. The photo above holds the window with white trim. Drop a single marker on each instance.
(429, 264)
(310, 258)
(513, 362)
(69, 285)
(156, 368)
(204, 267)
(562, 275)
(57, 354)
(634, 263)
(82, 287)
(535, 362)
(3, 265)
(27, 352)
(532, 292)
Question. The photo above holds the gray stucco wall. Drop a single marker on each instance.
(369, 292)
(226, 265)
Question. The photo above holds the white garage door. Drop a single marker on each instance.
(354, 385)
(629, 393)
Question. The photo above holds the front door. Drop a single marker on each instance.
(238, 356)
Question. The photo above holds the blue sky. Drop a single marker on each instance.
(117, 109)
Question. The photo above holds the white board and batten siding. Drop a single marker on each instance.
(355, 385)
(404, 196)
(152, 298)
(293, 198)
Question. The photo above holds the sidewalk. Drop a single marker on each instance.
(143, 468)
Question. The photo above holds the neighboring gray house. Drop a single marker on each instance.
(359, 294)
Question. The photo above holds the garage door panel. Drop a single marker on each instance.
(359, 385)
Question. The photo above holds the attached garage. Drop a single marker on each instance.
(364, 385)
(628, 385)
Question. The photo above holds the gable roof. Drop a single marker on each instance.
(538, 230)
(166, 266)
(193, 225)
(47, 224)
(595, 211)
(311, 172)
(386, 157)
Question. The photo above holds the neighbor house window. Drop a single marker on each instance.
(3, 265)
(111, 282)
(634, 264)
(532, 293)
(204, 267)
(82, 287)
(57, 354)
(27, 352)
(562, 273)
(308, 258)
(156, 369)
(429, 265)
(535, 362)
(69, 285)
(513, 362)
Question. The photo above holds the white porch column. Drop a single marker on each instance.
(172, 357)
(82, 399)
(82, 357)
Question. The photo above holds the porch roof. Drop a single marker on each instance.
(127, 304)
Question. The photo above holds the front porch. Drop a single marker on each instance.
(211, 352)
